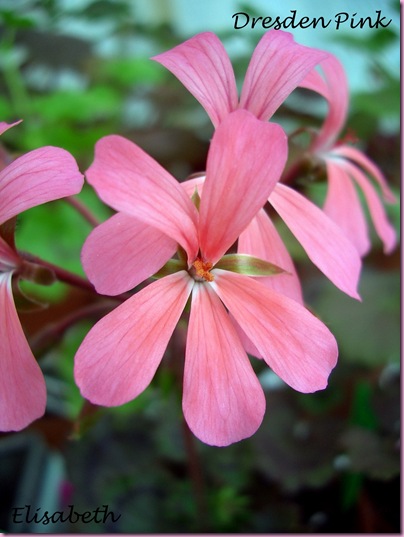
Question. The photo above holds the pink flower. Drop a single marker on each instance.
(278, 65)
(347, 165)
(223, 401)
(37, 177)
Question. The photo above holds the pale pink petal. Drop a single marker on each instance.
(203, 67)
(262, 240)
(383, 227)
(277, 66)
(9, 259)
(129, 180)
(122, 252)
(343, 206)
(5, 126)
(119, 356)
(334, 87)
(42, 175)
(295, 344)
(22, 385)
(223, 401)
(323, 240)
(192, 185)
(370, 167)
(245, 160)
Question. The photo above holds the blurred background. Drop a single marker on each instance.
(322, 463)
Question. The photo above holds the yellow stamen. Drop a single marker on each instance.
(202, 269)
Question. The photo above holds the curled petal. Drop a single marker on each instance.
(223, 400)
(245, 160)
(277, 66)
(296, 345)
(129, 180)
(42, 175)
(5, 126)
(334, 87)
(120, 355)
(383, 227)
(343, 206)
(324, 242)
(22, 385)
(123, 252)
(370, 167)
(261, 239)
(9, 259)
(204, 68)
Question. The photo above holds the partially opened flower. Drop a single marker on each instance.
(278, 65)
(347, 166)
(223, 401)
(42, 175)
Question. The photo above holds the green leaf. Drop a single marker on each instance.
(248, 265)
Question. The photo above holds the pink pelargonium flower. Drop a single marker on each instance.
(278, 65)
(223, 401)
(347, 165)
(42, 175)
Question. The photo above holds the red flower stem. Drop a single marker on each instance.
(83, 210)
(54, 331)
(195, 473)
(60, 273)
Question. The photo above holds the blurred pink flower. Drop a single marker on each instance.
(347, 165)
(223, 401)
(37, 177)
(278, 65)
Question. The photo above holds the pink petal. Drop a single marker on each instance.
(277, 66)
(343, 206)
(123, 252)
(370, 167)
(324, 242)
(296, 345)
(22, 386)
(223, 400)
(129, 180)
(334, 87)
(202, 65)
(245, 160)
(9, 259)
(383, 227)
(262, 240)
(5, 126)
(119, 356)
(42, 175)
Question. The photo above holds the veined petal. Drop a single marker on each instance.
(202, 65)
(22, 385)
(9, 259)
(343, 206)
(334, 87)
(296, 345)
(223, 401)
(245, 160)
(42, 175)
(324, 242)
(277, 66)
(119, 356)
(129, 180)
(383, 227)
(261, 239)
(370, 167)
(122, 252)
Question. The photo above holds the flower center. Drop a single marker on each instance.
(201, 270)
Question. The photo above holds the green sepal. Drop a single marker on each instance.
(196, 200)
(172, 266)
(248, 265)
